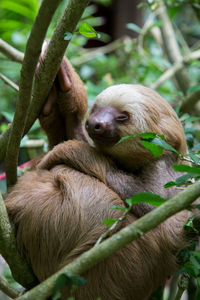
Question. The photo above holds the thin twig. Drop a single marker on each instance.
(144, 30)
(113, 226)
(92, 54)
(31, 57)
(184, 158)
(176, 67)
(9, 82)
(11, 52)
(171, 46)
(132, 232)
(9, 290)
(182, 40)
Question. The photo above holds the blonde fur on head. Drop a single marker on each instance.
(148, 112)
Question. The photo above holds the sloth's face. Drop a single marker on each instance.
(127, 110)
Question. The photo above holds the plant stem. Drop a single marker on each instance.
(31, 57)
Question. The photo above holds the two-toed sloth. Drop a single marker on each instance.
(58, 209)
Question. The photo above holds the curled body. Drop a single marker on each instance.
(59, 214)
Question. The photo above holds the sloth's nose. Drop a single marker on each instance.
(94, 126)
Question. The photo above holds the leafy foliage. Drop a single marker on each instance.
(70, 280)
(146, 197)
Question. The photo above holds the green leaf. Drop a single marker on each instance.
(66, 279)
(163, 144)
(119, 207)
(169, 184)
(134, 27)
(129, 202)
(182, 180)
(192, 119)
(155, 149)
(61, 282)
(185, 168)
(147, 135)
(17, 8)
(194, 158)
(184, 117)
(88, 31)
(191, 130)
(189, 224)
(68, 36)
(146, 197)
(125, 138)
(190, 269)
(109, 222)
(194, 262)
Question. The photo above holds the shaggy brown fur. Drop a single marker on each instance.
(58, 209)
(58, 214)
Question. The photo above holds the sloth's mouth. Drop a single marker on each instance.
(105, 140)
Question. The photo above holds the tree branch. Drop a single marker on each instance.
(53, 57)
(22, 272)
(89, 55)
(9, 82)
(11, 52)
(189, 103)
(171, 46)
(175, 68)
(31, 57)
(132, 232)
(9, 290)
(51, 65)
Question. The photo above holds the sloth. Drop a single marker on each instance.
(120, 111)
(58, 209)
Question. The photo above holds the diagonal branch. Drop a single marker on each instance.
(9, 82)
(132, 232)
(11, 52)
(175, 68)
(31, 57)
